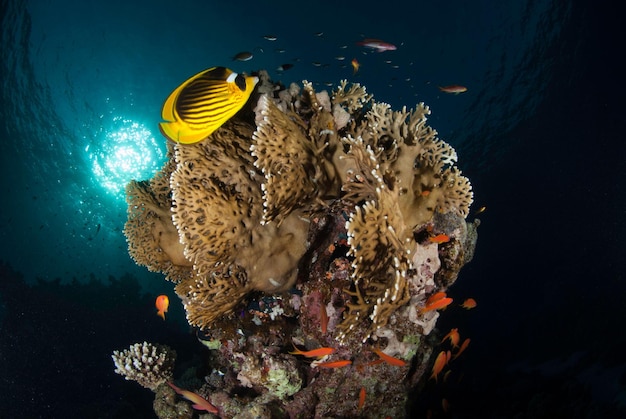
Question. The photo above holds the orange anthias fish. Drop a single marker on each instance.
(362, 398)
(454, 89)
(355, 65)
(334, 364)
(323, 318)
(436, 296)
(445, 405)
(440, 362)
(469, 304)
(480, 210)
(440, 238)
(454, 337)
(199, 402)
(463, 347)
(436, 305)
(162, 303)
(389, 359)
(314, 353)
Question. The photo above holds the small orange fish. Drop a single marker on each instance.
(425, 193)
(480, 210)
(440, 238)
(362, 398)
(314, 353)
(355, 65)
(162, 303)
(469, 304)
(453, 335)
(375, 362)
(199, 402)
(440, 362)
(334, 364)
(445, 405)
(436, 305)
(323, 318)
(389, 359)
(436, 296)
(463, 347)
(454, 89)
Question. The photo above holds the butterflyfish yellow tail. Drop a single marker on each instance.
(199, 106)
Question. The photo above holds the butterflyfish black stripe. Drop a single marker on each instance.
(208, 98)
(207, 120)
(209, 107)
(204, 116)
(187, 108)
(201, 85)
(205, 84)
(186, 105)
(195, 94)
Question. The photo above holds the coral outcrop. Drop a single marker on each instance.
(153, 240)
(147, 364)
(309, 219)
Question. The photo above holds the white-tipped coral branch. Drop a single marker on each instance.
(147, 364)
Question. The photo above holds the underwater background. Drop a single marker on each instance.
(540, 134)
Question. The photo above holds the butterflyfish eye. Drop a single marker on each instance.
(240, 81)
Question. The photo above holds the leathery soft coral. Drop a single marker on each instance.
(153, 240)
(307, 220)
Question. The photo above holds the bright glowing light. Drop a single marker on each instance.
(127, 151)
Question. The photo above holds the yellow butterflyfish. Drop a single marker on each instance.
(203, 103)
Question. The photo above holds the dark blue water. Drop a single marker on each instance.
(539, 133)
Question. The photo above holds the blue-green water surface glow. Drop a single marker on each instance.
(127, 151)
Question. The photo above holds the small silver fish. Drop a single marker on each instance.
(243, 56)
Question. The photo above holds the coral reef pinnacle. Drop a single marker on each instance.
(308, 219)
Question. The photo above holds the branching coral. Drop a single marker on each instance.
(147, 364)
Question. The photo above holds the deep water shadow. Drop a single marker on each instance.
(56, 345)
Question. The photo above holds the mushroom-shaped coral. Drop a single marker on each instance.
(152, 238)
(217, 208)
(147, 364)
